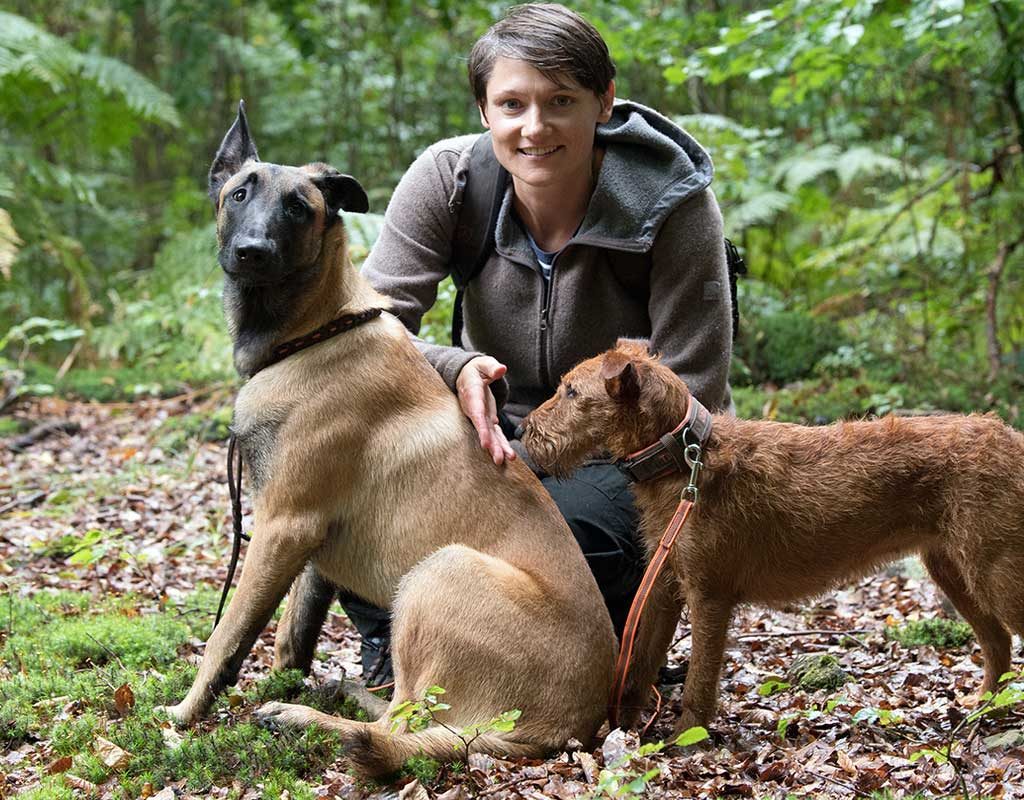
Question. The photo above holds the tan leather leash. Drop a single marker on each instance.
(345, 322)
(674, 452)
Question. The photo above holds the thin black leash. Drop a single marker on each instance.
(343, 323)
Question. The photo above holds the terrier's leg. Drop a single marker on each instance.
(992, 635)
(709, 618)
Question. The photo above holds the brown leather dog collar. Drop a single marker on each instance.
(668, 454)
(345, 322)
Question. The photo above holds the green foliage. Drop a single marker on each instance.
(938, 632)
(785, 346)
(170, 321)
(65, 654)
(423, 769)
(868, 157)
(631, 774)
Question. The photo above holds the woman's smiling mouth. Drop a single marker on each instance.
(537, 152)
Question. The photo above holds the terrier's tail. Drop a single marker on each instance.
(374, 752)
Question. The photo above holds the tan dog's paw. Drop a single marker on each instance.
(175, 714)
(283, 716)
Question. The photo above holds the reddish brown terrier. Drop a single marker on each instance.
(787, 512)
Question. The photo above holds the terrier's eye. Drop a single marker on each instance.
(297, 209)
(570, 391)
(238, 195)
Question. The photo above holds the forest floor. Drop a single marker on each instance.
(114, 543)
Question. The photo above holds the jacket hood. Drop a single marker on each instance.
(650, 166)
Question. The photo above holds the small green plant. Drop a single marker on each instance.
(936, 632)
(421, 714)
(1010, 695)
(35, 332)
(628, 776)
(772, 686)
(813, 712)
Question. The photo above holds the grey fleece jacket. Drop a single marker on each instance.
(648, 261)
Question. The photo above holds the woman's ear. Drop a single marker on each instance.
(483, 116)
(607, 101)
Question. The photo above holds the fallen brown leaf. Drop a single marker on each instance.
(81, 784)
(60, 765)
(110, 754)
(846, 763)
(124, 699)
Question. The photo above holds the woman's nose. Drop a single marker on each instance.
(534, 122)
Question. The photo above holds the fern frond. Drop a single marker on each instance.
(758, 209)
(717, 122)
(801, 169)
(863, 159)
(141, 96)
(27, 49)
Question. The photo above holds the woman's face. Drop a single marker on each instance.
(542, 133)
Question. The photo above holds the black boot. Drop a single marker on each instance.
(374, 626)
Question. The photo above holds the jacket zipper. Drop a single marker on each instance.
(545, 367)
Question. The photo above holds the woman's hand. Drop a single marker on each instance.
(478, 404)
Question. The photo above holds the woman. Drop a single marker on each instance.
(607, 229)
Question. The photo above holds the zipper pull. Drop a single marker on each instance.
(544, 319)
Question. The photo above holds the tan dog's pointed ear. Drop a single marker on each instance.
(621, 380)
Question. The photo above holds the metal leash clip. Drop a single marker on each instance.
(692, 455)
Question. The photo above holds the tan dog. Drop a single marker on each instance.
(366, 470)
(786, 512)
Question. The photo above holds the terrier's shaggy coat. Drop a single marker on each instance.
(786, 511)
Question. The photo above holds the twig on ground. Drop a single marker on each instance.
(815, 632)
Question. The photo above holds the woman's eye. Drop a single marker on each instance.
(563, 100)
(238, 195)
(511, 105)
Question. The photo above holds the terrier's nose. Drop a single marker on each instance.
(254, 252)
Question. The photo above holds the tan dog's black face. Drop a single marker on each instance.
(271, 219)
(603, 405)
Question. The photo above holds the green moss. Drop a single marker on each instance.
(813, 671)
(66, 653)
(933, 632)
(423, 768)
(278, 685)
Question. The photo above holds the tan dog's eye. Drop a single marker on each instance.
(238, 195)
(570, 392)
(297, 209)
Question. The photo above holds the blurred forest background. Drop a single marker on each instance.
(868, 155)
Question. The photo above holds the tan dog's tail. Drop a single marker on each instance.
(374, 752)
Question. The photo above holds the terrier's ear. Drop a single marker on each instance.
(639, 348)
(341, 193)
(237, 148)
(621, 380)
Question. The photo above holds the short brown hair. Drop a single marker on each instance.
(550, 38)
